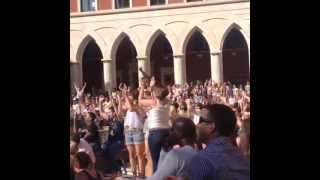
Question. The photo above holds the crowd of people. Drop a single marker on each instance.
(199, 130)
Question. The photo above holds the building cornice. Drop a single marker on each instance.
(154, 8)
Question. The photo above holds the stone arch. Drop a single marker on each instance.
(235, 57)
(189, 35)
(84, 42)
(116, 44)
(196, 50)
(227, 31)
(152, 39)
(124, 57)
(173, 40)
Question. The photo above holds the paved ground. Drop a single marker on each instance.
(129, 176)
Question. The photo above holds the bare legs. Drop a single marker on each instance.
(139, 148)
(149, 168)
(132, 158)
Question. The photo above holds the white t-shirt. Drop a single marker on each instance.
(196, 119)
(133, 120)
(84, 146)
(232, 101)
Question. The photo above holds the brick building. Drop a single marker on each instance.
(178, 41)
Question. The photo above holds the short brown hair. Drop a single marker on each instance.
(160, 92)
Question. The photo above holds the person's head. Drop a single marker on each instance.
(145, 81)
(110, 112)
(75, 101)
(183, 132)
(183, 106)
(160, 93)
(216, 120)
(174, 107)
(82, 160)
(89, 117)
(133, 96)
(107, 99)
(92, 116)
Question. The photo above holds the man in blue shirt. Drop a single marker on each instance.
(221, 159)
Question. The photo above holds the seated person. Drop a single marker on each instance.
(84, 168)
(183, 134)
(221, 159)
(78, 144)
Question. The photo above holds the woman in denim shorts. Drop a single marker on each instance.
(134, 136)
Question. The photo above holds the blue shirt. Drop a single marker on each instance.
(219, 161)
(174, 163)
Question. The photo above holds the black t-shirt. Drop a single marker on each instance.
(94, 134)
(117, 129)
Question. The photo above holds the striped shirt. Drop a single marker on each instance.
(219, 161)
(158, 117)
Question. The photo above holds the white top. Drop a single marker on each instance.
(196, 119)
(84, 146)
(232, 101)
(133, 120)
(158, 117)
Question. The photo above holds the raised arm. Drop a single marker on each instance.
(129, 104)
(119, 108)
(144, 73)
(84, 86)
(141, 100)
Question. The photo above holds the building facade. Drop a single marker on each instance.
(177, 41)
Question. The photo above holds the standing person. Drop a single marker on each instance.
(158, 120)
(220, 159)
(173, 111)
(184, 110)
(115, 143)
(247, 88)
(133, 128)
(244, 135)
(90, 131)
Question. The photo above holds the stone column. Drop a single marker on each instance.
(216, 67)
(179, 65)
(109, 73)
(75, 76)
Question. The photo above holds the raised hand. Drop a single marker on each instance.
(75, 86)
(153, 81)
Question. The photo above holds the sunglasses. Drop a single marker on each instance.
(204, 120)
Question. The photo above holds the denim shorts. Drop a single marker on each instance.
(134, 137)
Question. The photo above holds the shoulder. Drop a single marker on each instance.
(201, 159)
(182, 153)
